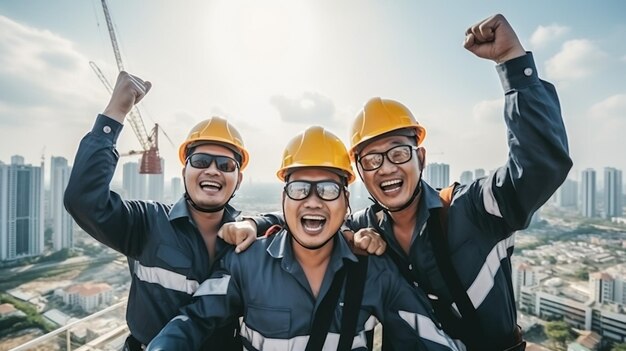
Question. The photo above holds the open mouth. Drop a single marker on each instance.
(313, 224)
(390, 186)
(208, 185)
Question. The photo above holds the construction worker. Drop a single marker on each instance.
(170, 249)
(302, 288)
(459, 250)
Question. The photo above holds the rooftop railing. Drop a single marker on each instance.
(90, 345)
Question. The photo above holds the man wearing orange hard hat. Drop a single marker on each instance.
(456, 243)
(171, 249)
(303, 288)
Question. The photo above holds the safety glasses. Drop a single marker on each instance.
(223, 163)
(326, 190)
(397, 155)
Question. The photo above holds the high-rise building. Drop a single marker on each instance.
(21, 210)
(62, 224)
(437, 175)
(134, 184)
(156, 184)
(479, 173)
(567, 195)
(176, 189)
(588, 193)
(467, 177)
(612, 192)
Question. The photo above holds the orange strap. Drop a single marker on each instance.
(446, 199)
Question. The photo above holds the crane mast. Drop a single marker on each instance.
(150, 160)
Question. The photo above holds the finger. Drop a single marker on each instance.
(371, 249)
(245, 244)
(381, 250)
(362, 242)
(220, 234)
(469, 41)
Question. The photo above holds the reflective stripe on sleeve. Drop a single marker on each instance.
(489, 200)
(214, 286)
(167, 279)
(427, 329)
(298, 343)
(484, 281)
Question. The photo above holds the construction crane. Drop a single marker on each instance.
(150, 159)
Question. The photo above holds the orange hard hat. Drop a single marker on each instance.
(380, 116)
(316, 147)
(218, 130)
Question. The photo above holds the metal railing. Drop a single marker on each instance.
(66, 328)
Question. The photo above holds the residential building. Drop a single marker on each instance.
(613, 192)
(467, 177)
(62, 224)
(588, 193)
(89, 296)
(567, 194)
(21, 210)
(437, 175)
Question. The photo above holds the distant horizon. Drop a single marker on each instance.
(275, 67)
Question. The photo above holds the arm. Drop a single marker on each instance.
(538, 151)
(408, 319)
(216, 303)
(88, 198)
(244, 233)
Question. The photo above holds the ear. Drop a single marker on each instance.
(183, 172)
(421, 157)
(239, 180)
(347, 197)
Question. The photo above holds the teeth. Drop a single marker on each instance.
(314, 218)
(390, 182)
(207, 183)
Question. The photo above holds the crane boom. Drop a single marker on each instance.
(150, 160)
(116, 48)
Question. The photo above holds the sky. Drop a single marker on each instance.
(275, 67)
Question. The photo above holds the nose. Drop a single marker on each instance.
(212, 169)
(387, 167)
(313, 201)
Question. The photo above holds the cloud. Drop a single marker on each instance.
(311, 107)
(544, 35)
(48, 96)
(611, 108)
(577, 59)
(41, 71)
(488, 111)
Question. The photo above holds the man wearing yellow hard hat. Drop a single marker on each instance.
(457, 244)
(170, 249)
(303, 288)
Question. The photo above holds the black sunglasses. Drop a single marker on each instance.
(327, 190)
(223, 163)
(397, 155)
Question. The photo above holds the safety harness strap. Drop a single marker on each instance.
(355, 284)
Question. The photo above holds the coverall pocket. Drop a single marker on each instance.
(272, 322)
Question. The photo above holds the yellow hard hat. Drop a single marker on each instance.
(215, 129)
(380, 116)
(316, 147)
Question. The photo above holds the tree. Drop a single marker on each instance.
(559, 333)
(619, 347)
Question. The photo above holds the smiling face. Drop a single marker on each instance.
(313, 221)
(211, 187)
(392, 184)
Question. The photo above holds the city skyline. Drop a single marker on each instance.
(275, 68)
